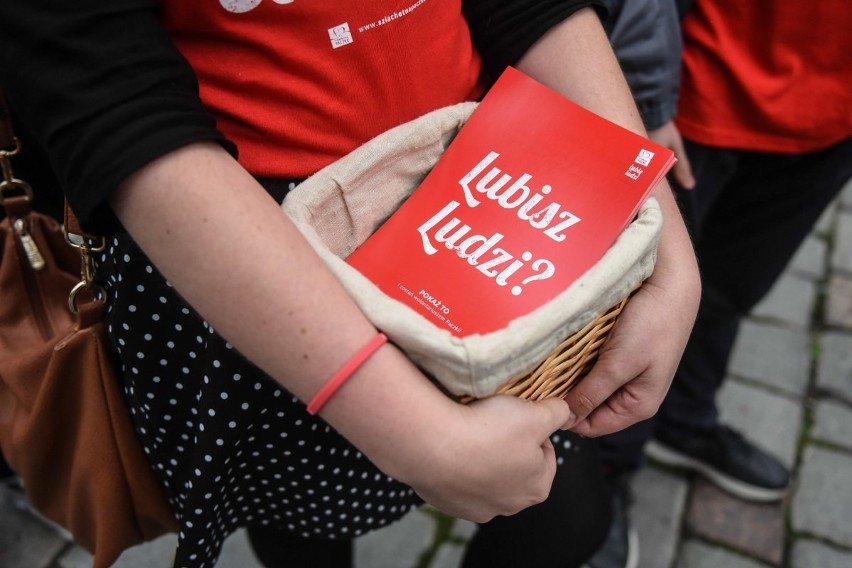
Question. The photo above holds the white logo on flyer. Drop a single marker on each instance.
(340, 35)
(644, 157)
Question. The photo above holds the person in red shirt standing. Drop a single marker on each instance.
(765, 112)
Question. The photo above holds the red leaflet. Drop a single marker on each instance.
(531, 193)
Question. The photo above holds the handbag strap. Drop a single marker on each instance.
(87, 244)
(16, 195)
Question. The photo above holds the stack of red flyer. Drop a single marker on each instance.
(528, 196)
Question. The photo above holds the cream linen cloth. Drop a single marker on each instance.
(341, 205)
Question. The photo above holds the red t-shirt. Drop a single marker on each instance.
(307, 60)
(767, 75)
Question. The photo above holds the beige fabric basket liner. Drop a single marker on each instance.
(341, 205)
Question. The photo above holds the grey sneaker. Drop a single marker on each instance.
(725, 458)
(621, 546)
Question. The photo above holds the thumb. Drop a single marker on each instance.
(554, 414)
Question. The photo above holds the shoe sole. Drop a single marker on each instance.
(632, 560)
(741, 489)
(632, 549)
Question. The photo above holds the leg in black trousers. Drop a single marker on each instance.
(748, 215)
(745, 235)
(275, 548)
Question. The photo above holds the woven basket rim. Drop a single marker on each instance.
(569, 362)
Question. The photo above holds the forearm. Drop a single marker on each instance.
(595, 81)
(231, 252)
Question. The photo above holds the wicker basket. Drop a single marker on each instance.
(339, 207)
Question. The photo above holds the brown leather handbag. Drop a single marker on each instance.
(65, 428)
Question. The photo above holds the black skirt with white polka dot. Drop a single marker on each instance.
(231, 447)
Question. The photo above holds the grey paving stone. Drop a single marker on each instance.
(755, 529)
(448, 556)
(697, 554)
(399, 545)
(845, 198)
(772, 355)
(813, 554)
(237, 552)
(811, 258)
(841, 256)
(660, 498)
(158, 553)
(822, 504)
(791, 300)
(75, 557)
(834, 371)
(463, 529)
(833, 423)
(825, 223)
(770, 420)
(26, 541)
(838, 309)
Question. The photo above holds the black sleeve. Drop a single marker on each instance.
(503, 30)
(101, 89)
(646, 38)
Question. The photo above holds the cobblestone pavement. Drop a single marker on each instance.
(789, 389)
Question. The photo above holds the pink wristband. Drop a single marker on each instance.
(340, 377)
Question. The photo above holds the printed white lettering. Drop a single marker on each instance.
(428, 247)
(502, 256)
(516, 196)
(555, 232)
(469, 176)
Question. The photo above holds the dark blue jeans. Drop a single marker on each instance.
(747, 215)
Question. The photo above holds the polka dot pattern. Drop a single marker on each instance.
(231, 447)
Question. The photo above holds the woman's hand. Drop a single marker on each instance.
(497, 460)
(491, 457)
(637, 363)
